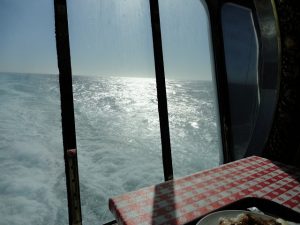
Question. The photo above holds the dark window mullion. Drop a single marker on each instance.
(67, 111)
(161, 91)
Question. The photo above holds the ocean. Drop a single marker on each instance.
(118, 141)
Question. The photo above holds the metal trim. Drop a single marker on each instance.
(161, 91)
(67, 111)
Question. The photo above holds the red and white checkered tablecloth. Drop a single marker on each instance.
(188, 198)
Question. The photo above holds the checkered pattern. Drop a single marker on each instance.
(188, 198)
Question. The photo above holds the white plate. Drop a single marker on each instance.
(213, 218)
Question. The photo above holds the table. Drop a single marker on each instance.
(185, 199)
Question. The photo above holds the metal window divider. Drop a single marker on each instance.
(161, 90)
(67, 112)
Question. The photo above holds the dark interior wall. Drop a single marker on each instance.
(284, 141)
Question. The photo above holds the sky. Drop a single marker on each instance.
(107, 38)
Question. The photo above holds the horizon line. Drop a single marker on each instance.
(102, 76)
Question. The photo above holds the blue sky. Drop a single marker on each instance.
(107, 38)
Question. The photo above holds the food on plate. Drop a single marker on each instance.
(248, 219)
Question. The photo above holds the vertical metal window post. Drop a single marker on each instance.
(161, 91)
(67, 111)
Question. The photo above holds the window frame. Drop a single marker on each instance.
(269, 67)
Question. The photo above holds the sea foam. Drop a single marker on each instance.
(118, 142)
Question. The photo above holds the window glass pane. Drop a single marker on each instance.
(192, 103)
(116, 112)
(32, 180)
(241, 55)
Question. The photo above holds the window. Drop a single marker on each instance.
(241, 55)
(115, 102)
(252, 54)
(115, 98)
(190, 83)
(32, 180)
